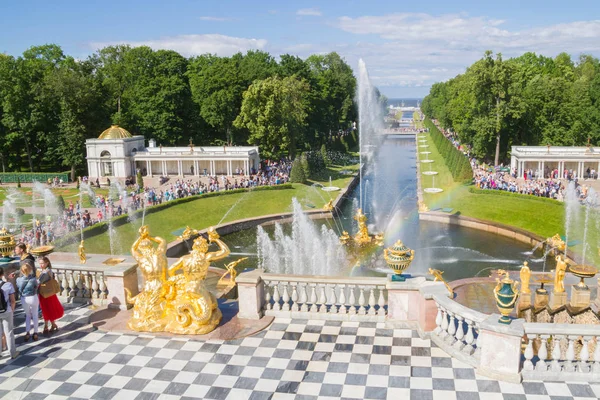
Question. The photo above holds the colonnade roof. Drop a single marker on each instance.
(581, 152)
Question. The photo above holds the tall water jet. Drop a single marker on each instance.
(571, 213)
(306, 251)
(370, 118)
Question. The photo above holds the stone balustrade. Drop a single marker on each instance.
(561, 352)
(320, 297)
(80, 286)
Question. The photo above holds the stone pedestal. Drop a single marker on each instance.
(541, 298)
(500, 349)
(524, 301)
(404, 299)
(558, 300)
(251, 294)
(580, 297)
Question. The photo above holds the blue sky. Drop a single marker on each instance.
(407, 45)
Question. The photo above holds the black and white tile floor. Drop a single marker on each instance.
(297, 359)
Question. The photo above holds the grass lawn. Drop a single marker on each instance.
(526, 212)
(69, 194)
(203, 213)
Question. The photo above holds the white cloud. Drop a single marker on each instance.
(215, 19)
(314, 12)
(415, 49)
(189, 45)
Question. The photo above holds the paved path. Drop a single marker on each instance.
(291, 359)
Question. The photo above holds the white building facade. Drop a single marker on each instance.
(584, 162)
(116, 153)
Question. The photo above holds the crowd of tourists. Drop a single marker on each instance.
(37, 288)
(547, 183)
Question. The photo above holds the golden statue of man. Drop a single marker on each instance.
(362, 236)
(525, 275)
(559, 274)
(192, 309)
(149, 306)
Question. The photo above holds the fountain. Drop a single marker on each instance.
(330, 188)
(433, 189)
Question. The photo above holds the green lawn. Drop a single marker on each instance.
(526, 212)
(202, 213)
(69, 194)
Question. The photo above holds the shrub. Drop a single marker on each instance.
(18, 182)
(20, 212)
(324, 154)
(140, 180)
(60, 203)
(305, 165)
(297, 174)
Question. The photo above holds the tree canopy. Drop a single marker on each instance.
(527, 100)
(50, 103)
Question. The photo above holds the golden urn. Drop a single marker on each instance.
(398, 257)
(583, 272)
(7, 243)
(42, 251)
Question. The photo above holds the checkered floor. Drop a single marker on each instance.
(291, 359)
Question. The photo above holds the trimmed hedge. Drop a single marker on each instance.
(458, 164)
(504, 193)
(102, 227)
(29, 177)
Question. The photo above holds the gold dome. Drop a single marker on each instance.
(114, 132)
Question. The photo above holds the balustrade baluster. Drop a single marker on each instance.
(556, 353)
(469, 338)
(64, 290)
(542, 354)
(361, 302)
(268, 305)
(372, 303)
(477, 352)
(295, 296)
(80, 285)
(584, 355)
(95, 286)
(313, 298)
(88, 284)
(103, 287)
(323, 299)
(451, 329)
(286, 298)
(303, 297)
(438, 320)
(445, 323)
(352, 301)
(570, 356)
(381, 302)
(528, 365)
(460, 333)
(276, 297)
(332, 300)
(342, 300)
(72, 286)
(596, 367)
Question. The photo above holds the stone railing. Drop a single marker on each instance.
(457, 330)
(324, 297)
(561, 352)
(95, 282)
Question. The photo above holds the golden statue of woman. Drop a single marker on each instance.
(149, 306)
(81, 252)
(192, 308)
(525, 275)
(559, 274)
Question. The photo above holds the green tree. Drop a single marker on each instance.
(274, 112)
(305, 165)
(60, 203)
(297, 174)
(139, 179)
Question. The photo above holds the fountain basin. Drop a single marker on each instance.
(433, 190)
(424, 145)
(425, 152)
(427, 161)
(430, 172)
(330, 188)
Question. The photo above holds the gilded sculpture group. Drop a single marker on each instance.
(174, 298)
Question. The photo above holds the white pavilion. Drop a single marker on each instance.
(117, 153)
(545, 158)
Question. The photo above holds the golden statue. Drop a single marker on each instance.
(559, 274)
(362, 236)
(344, 237)
(231, 271)
(81, 251)
(557, 242)
(437, 275)
(525, 275)
(149, 305)
(422, 206)
(187, 233)
(192, 309)
(328, 206)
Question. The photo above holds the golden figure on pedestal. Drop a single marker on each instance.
(437, 275)
(231, 271)
(81, 252)
(559, 274)
(328, 206)
(525, 275)
(149, 305)
(180, 304)
(557, 242)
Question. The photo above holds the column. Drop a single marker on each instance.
(150, 168)
(598, 174)
(229, 168)
(196, 168)
(163, 165)
(212, 167)
(543, 171)
(539, 168)
(179, 168)
(561, 167)
(580, 169)
(147, 167)
(246, 169)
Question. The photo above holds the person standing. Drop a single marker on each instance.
(28, 289)
(21, 252)
(6, 317)
(52, 309)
